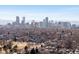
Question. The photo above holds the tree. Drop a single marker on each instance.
(32, 51)
(37, 50)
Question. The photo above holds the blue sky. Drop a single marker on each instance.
(39, 12)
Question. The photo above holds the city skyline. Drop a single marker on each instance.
(45, 23)
(39, 12)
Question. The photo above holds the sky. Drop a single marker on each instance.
(56, 13)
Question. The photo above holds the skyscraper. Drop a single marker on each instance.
(23, 21)
(45, 22)
(33, 23)
(17, 20)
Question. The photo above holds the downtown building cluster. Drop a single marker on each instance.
(46, 23)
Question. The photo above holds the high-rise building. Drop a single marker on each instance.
(23, 21)
(33, 23)
(17, 20)
(45, 22)
(65, 24)
(41, 25)
(74, 26)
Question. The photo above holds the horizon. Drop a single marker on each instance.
(69, 13)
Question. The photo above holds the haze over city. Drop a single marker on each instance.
(39, 29)
(8, 13)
